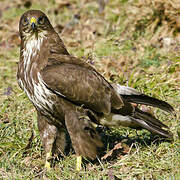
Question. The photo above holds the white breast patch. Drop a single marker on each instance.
(41, 94)
(32, 48)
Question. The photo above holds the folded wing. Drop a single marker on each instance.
(79, 83)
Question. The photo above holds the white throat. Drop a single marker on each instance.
(32, 48)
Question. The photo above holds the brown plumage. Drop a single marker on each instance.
(70, 94)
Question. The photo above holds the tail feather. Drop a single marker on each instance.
(147, 116)
(147, 121)
(133, 96)
(147, 100)
(137, 120)
(153, 128)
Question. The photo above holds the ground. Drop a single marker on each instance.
(131, 43)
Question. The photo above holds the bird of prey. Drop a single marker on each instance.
(70, 96)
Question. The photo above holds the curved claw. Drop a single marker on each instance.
(47, 163)
(78, 163)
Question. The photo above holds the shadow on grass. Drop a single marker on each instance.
(110, 139)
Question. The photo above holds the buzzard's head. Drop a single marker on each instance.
(34, 23)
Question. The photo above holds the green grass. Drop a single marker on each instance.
(120, 58)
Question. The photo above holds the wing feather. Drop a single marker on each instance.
(80, 83)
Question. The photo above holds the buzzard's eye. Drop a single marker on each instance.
(25, 21)
(41, 20)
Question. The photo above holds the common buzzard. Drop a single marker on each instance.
(70, 95)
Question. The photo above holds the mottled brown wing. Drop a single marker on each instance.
(80, 84)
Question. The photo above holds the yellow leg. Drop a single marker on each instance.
(78, 163)
(47, 163)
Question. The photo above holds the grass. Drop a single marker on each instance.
(122, 55)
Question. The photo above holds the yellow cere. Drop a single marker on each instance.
(33, 20)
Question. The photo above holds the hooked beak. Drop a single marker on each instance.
(33, 26)
(33, 23)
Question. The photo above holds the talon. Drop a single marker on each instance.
(48, 164)
(78, 163)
